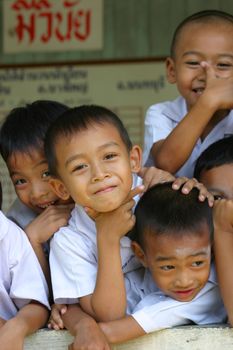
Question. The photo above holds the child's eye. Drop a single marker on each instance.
(79, 167)
(192, 63)
(167, 267)
(224, 65)
(19, 182)
(218, 197)
(110, 156)
(197, 263)
(45, 174)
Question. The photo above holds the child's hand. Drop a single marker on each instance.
(48, 222)
(218, 91)
(55, 320)
(223, 215)
(187, 185)
(117, 223)
(152, 175)
(89, 336)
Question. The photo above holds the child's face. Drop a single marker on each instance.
(96, 168)
(30, 177)
(200, 42)
(219, 181)
(180, 266)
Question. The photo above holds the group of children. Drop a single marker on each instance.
(131, 250)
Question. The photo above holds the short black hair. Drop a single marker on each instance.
(24, 128)
(163, 210)
(204, 16)
(217, 154)
(78, 119)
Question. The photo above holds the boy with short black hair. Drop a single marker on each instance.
(172, 237)
(37, 209)
(214, 168)
(201, 65)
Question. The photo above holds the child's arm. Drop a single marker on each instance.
(43, 227)
(121, 330)
(171, 153)
(108, 301)
(30, 318)
(223, 248)
(87, 333)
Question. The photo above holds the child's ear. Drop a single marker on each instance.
(59, 188)
(138, 251)
(170, 69)
(135, 158)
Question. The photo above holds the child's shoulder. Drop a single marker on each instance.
(12, 237)
(172, 108)
(20, 213)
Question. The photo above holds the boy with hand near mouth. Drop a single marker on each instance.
(201, 65)
(37, 210)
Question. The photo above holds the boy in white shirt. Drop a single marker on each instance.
(37, 210)
(23, 290)
(172, 238)
(177, 132)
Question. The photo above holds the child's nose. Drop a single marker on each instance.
(183, 280)
(38, 191)
(100, 173)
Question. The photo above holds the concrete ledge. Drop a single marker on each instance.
(219, 337)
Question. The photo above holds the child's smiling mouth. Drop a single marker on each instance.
(105, 189)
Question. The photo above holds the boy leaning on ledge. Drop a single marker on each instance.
(23, 290)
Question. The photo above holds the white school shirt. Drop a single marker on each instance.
(20, 213)
(153, 310)
(21, 277)
(163, 117)
(73, 257)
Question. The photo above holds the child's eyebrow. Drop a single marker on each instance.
(42, 162)
(199, 253)
(82, 155)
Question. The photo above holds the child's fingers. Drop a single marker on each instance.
(134, 192)
(55, 317)
(180, 181)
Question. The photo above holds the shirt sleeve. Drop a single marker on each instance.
(73, 266)
(27, 279)
(205, 308)
(157, 127)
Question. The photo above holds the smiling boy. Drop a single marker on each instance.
(201, 65)
(91, 159)
(172, 238)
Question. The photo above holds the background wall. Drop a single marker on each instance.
(133, 29)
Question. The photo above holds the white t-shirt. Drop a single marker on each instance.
(21, 277)
(73, 257)
(20, 214)
(153, 310)
(163, 117)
